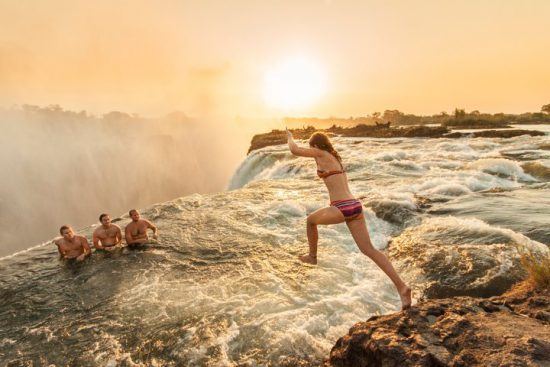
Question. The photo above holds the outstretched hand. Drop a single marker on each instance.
(288, 133)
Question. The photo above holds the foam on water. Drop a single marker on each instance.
(502, 167)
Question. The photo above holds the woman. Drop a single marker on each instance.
(343, 207)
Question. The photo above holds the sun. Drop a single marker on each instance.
(294, 84)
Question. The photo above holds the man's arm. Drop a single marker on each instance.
(302, 152)
(87, 251)
(86, 246)
(61, 254)
(128, 235)
(118, 235)
(153, 227)
(95, 240)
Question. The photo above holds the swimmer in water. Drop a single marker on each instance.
(72, 246)
(344, 207)
(108, 235)
(136, 231)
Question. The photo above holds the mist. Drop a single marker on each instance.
(62, 167)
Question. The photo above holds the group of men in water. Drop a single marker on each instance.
(106, 237)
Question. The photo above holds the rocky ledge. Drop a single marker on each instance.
(276, 137)
(508, 330)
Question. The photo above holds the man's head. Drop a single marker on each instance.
(105, 219)
(67, 232)
(134, 214)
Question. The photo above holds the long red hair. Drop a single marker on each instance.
(321, 141)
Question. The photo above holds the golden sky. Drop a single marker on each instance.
(212, 57)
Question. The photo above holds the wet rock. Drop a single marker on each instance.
(278, 137)
(392, 211)
(455, 134)
(396, 132)
(452, 332)
(505, 133)
(469, 124)
(537, 170)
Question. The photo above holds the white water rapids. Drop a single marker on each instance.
(224, 287)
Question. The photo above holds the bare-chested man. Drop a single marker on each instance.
(136, 230)
(72, 246)
(108, 235)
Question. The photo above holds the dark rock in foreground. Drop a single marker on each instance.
(509, 330)
(277, 137)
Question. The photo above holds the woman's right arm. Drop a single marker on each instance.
(302, 152)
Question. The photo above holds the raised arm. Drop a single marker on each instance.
(299, 151)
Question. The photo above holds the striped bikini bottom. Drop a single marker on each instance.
(350, 208)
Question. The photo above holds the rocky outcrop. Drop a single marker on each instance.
(475, 124)
(505, 133)
(454, 264)
(508, 330)
(385, 132)
(277, 137)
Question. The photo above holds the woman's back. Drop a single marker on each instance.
(333, 174)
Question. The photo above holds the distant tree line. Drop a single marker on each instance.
(395, 117)
(456, 118)
(56, 114)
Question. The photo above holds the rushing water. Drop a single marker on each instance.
(223, 286)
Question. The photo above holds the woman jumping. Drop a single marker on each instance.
(343, 207)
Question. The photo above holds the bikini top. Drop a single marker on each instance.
(325, 174)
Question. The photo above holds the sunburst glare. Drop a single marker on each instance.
(293, 84)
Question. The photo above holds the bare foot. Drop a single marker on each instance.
(308, 259)
(406, 300)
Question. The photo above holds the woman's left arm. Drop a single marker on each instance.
(302, 152)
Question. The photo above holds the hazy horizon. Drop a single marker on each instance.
(213, 59)
(275, 120)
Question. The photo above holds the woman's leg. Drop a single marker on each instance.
(360, 233)
(330, 215)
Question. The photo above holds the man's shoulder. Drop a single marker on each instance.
(115, 225)
(81, 238)
(58, 241)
